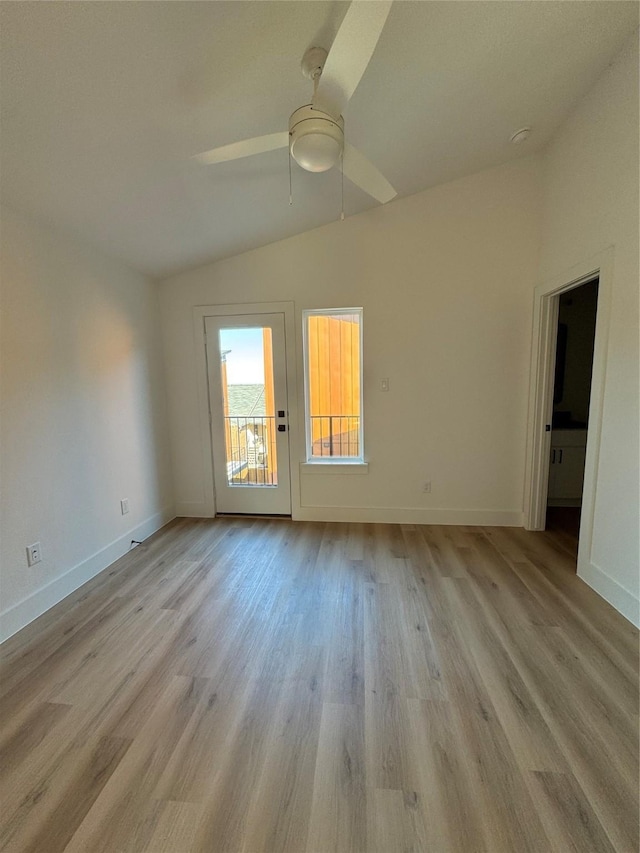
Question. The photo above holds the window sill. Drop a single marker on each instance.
(334, 467)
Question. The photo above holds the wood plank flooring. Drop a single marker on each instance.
(266, 685)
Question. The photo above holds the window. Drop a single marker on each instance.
(333, 384)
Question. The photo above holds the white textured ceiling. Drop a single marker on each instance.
(104, 102)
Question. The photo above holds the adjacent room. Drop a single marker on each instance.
(320, 426)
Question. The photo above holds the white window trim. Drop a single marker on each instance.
(326, 461)
(348, 466)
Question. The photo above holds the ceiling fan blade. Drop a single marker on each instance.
(245, 148)
(364, 174)
(350, 53)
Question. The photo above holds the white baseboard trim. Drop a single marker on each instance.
(23, 612)
(195, 509)
(411, 515)
(609, 588)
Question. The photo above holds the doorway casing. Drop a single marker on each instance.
(200, 313)
(543, 356)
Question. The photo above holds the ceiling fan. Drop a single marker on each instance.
(316, 131)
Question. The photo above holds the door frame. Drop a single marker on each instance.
(200, 314)
(543, 359)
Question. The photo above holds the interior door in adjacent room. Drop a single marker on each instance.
(246, 363)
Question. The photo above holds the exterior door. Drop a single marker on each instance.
(249, 416)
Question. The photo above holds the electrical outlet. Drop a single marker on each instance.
(384, 385)
(124, 506)
(426, 487)
(34, 554)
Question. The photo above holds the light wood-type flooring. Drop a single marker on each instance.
(265, 685)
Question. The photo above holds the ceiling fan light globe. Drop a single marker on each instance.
(316, 140)
(316, 152)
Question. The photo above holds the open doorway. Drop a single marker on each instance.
(546, 307)
(575, 340)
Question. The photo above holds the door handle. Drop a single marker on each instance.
(560, 459)
(553, 457)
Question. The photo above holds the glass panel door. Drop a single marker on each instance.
(246, 371)
(249, 424)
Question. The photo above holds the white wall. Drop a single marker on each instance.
(445, 278)
(590, 183)
(83, 415)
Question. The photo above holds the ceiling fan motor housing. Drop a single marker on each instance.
(316, 139)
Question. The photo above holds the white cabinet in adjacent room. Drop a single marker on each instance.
(566, 469)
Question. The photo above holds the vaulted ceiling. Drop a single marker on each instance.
(103, 105)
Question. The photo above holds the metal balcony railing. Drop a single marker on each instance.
(251, 451)
(335, 435)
